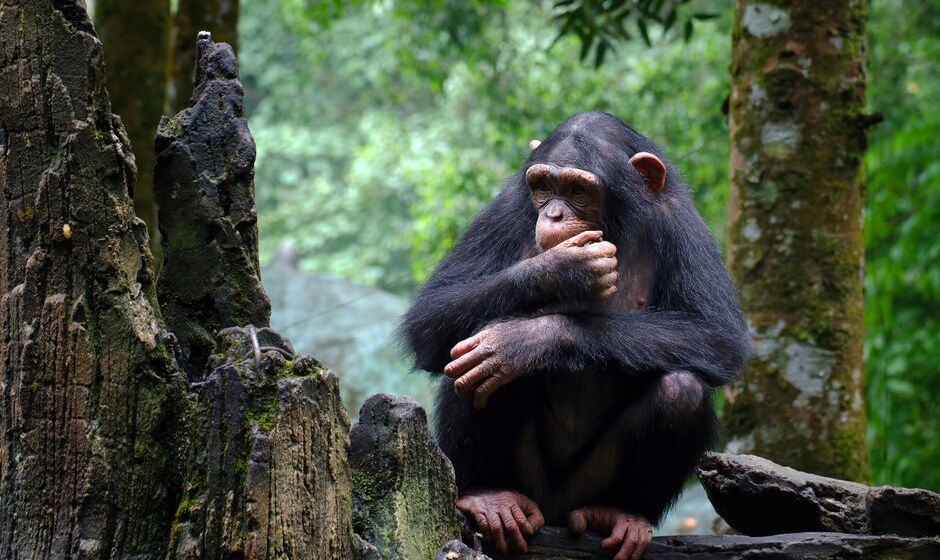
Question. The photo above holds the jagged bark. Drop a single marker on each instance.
(795, 232)
(88, 385)
(219, 17)
(135, 36)
(404, 490)
(105, 450)
(204, 183)
(269, 477)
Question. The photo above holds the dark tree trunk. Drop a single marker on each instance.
(795, 232)
(89, 387)
(107, 449)
(135, 36)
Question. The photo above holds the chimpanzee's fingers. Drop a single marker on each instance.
(496, 532)
(646, 537)
(519, 516)
(616, 534)
(602, 249)
(482, 394)
(607, 280)
(607, 293)
(533, 514)
(604, 265)
(467, 345)
(583, 238)
(577, 522)
(465, 384)
(465, 363)
(512, 531)
(630, 538)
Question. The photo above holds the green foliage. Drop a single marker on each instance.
(902, 240)
(383, 127)
(372, 167)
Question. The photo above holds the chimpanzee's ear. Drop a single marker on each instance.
(651, 168)
(533, 144)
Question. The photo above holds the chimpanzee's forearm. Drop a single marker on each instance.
(653, 341)
(446, 313)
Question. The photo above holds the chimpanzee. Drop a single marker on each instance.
(581, 322)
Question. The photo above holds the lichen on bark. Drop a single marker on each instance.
(795, 232)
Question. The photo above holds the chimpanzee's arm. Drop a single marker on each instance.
(480, 280)
(694, 321)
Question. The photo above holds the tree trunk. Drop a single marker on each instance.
(135, 35)
(89, 388)
(107, 450)
(219, 17)
(795, 232)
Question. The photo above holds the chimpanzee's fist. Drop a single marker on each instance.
(586, 255)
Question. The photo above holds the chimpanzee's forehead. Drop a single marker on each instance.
(591, 152)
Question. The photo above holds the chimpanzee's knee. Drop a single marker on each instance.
(680, 395)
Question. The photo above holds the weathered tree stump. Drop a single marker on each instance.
(404, 489)
(89, 386)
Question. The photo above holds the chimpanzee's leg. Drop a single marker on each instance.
(660, 438)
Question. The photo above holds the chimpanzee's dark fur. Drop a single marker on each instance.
(594, 427)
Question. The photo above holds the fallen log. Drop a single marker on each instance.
(556, 543)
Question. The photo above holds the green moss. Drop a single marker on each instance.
(265, 415)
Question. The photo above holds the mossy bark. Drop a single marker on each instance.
(795, 232)
(88, 386)
(135, 36)
(219, 17)
(107, 451)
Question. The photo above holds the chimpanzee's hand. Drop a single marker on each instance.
(630, 533)
(503, 515)
(587, 255)
(498, 354)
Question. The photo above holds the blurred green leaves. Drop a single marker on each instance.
(601, 25)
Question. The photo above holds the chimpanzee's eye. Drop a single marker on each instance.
(578, 191)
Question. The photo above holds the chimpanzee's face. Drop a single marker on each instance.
(569, 200)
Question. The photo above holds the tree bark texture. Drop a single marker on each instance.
(88, 385)
(107, 449)
(795, 232)
(219, 17)
(204, 183)
(135, 36)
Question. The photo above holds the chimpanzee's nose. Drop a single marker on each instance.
(554, 213)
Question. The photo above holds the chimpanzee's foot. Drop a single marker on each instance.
(628, 532)
(503, 516)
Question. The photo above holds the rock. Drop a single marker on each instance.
(456, 550)
(269, 476)
(204, 188)
(759, 497)
(556, 543)
(403, 485)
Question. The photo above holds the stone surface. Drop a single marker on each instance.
(555, 543)
(269, 476)
(759, 497)
(403, 485)
(204, 187)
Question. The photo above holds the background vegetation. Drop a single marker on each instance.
(383, 127)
